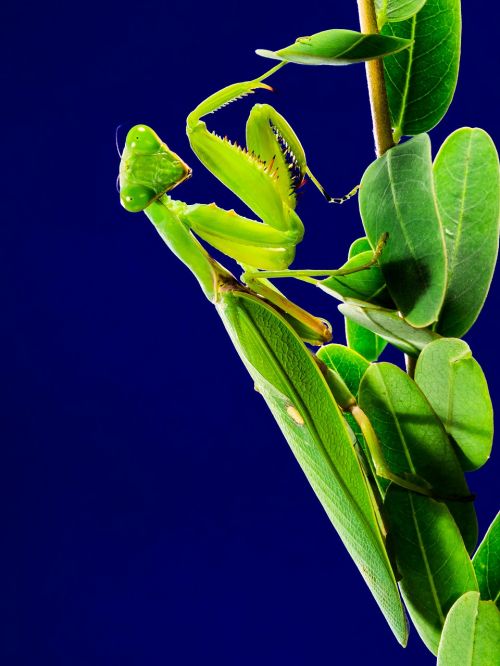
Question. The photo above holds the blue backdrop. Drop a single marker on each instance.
(152, 512)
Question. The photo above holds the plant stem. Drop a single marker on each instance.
(381, 119)
(410, 362)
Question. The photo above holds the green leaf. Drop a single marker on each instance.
(414, 441)
(455, 386)
(390, 326)
(421, 81)
(487, 563)
(360, 245)
(431, 558)
(358, 338)
(397, 196)
(337, 47)
(466, 177)
(471, 634)
(288, 377)
(396, 10)
(350, 365)
(363, 341)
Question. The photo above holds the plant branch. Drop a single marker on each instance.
(379, 104)
(381, 119)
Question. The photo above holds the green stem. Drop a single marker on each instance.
(381, 119)
(411, 362)
(271, 71)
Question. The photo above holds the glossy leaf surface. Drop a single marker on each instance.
(397, 196)
(363, 341)
(396, 10)
(487, 563)
(390, 326)
(466, 177)
(289, 379)
(337, 47)
(421, 81)
(431, 558)
(471, 634)
(414, 441)
(455, 386)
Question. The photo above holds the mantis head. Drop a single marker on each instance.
(148, 169)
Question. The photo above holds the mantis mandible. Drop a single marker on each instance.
(265, 176)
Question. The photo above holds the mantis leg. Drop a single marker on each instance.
(271, 138)
(254, 181)
(245, 240)
(347, 402)
(314, 330)
(418, 485)
(305, 274)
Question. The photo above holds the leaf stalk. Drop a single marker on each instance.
(381, 119)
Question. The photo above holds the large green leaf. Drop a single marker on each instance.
(365, 342)
(431, 558)
(471, 634)
(487, 563)
(290, 380)
(455, 386)
(414, 441)
(396, 10)
(421, 81)
(390, 326)
(337, 47)
(397, 196)
(466, 177)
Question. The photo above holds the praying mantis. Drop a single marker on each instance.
(307, 398)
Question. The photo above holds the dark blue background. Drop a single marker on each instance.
(152, 512)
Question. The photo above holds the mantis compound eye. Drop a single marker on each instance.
(143, 139)
(135, 198)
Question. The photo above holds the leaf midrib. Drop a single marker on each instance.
(461, 213)
(400, 219)
(430, 577)
(396, 422)
(411, 48)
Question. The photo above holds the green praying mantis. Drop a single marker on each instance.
(308, 399)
